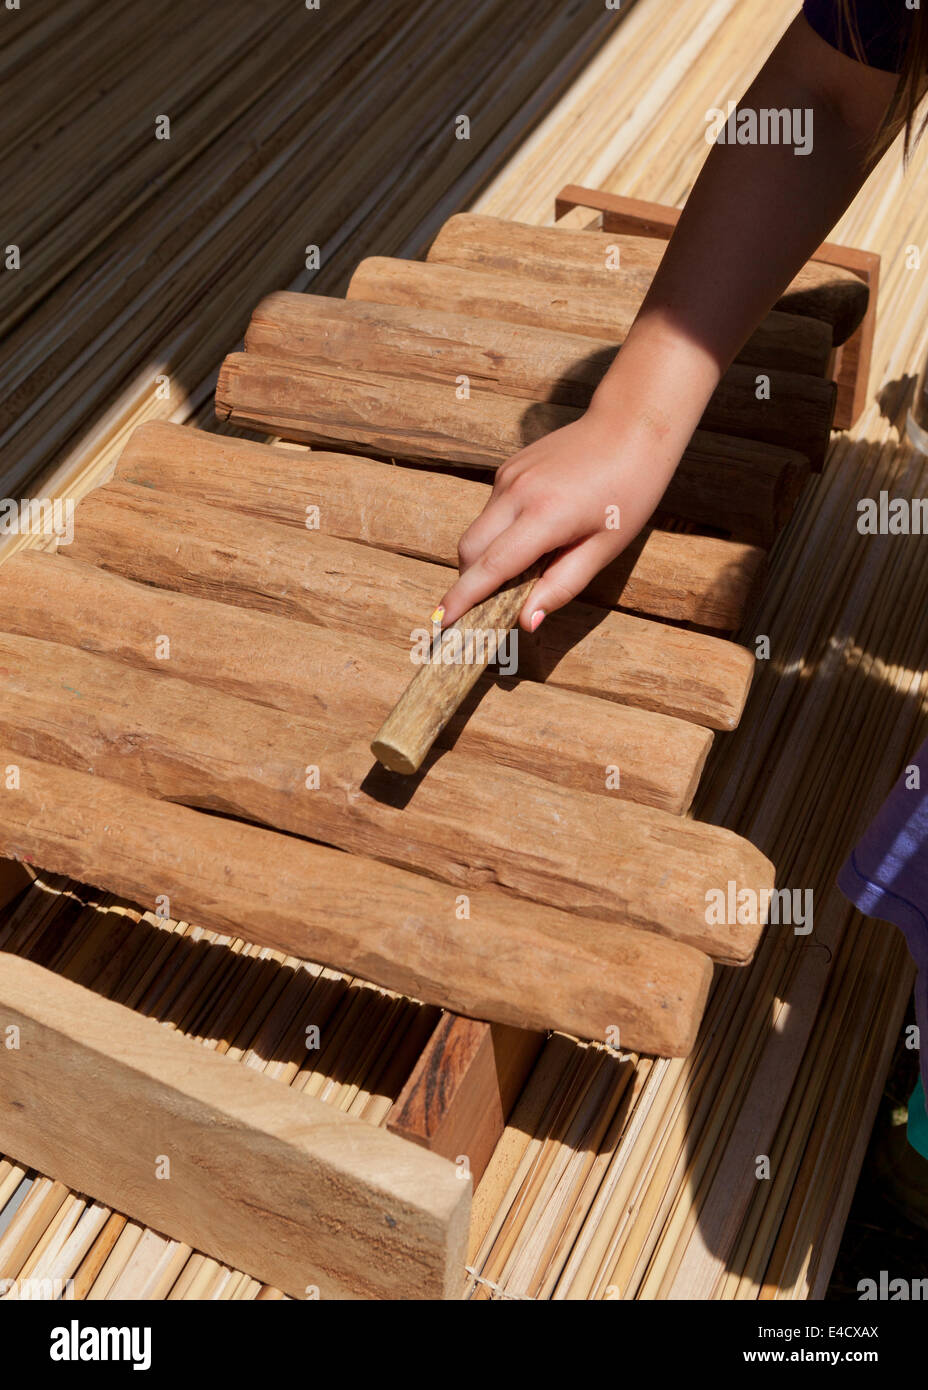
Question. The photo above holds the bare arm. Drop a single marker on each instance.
(755, 215)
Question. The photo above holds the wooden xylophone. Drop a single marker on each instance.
(190, 689)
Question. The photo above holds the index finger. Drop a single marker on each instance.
(512, 551)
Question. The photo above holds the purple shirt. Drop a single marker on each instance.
(886, 875)
(883, 27)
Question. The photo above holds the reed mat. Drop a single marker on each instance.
(618, 1176)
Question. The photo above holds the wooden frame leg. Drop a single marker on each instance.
(463, 1089)
(209, 1152)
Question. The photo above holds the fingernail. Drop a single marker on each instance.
(438, 615)
(536, 619)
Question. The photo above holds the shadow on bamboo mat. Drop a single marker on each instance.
(878, 1237)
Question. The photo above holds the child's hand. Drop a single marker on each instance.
(579, 495)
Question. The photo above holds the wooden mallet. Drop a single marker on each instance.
(440, 685)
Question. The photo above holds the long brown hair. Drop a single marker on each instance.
(913, 78)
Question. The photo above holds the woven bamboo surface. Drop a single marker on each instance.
(617, 1177)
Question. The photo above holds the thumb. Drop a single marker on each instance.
(566, 577)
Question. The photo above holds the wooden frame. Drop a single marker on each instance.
(850, 362)
(219, 1156)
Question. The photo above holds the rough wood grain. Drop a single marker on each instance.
(515, 962)
(261, 1176)
(570, 258)
(365, 412)
(184, 743)
(514, 359)
(439, 688)
(321, 675)
(460, 1093)
(788, 342)
(177, 544)
(413, 511)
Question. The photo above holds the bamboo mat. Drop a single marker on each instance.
(619, 1177)
(141, 259)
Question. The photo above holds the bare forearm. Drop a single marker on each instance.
(755, 215)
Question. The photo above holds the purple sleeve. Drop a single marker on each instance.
(886, 876)
(883, 27)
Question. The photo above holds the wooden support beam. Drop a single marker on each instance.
(412, 511)
(463, 1088)
(180, 742)
(850, 361)
(514, 962)
(311, 671)
(173, 543)
(636, 215)
(261, 1177)
(624, 265)
(512, 359)
(787, 342)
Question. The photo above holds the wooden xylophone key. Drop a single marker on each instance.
(522, 835)
(624, 262)
(413, 511)
(174, 543)
(746, 487)
(791, 342)
(309, 671)
(514, 359)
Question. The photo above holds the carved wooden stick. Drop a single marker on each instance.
(440, 686)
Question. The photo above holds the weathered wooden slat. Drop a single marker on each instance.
(313, 672)
(260, 1176)
(721, 481)
(787, 342)
(622, 263)
(794, 409)
(173, 543)
(412, 511)
(180, 742)
(510, 961)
